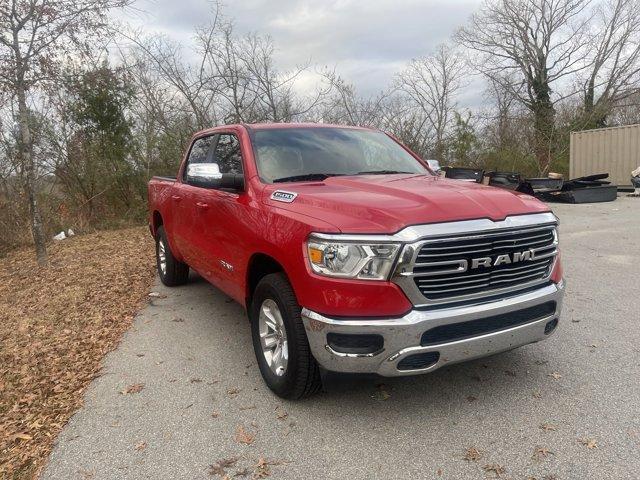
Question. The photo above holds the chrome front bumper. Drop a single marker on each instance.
(402, 336)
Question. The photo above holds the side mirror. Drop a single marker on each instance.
(207, 175)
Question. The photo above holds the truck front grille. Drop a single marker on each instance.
(468, 266)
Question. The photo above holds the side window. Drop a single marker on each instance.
(199, 152)
(227, 154)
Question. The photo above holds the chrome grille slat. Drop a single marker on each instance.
(544, 235)
(462, 246)
(492, 281)
(425, 283)
(523, 277)
(544, 261)
(523, 246)
(428, 255)
(485, 284)
(444, 286)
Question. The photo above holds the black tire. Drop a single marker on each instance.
(176, 272)
(302, 375)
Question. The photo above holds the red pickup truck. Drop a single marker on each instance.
(350, 254)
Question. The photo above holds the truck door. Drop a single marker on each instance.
(186, 214)
(223, 222)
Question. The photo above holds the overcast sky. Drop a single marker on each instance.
(366, 40)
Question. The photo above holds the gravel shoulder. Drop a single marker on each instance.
(565, 408)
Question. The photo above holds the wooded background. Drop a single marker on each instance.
(90, 109)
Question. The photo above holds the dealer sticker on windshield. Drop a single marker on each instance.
(283, 196)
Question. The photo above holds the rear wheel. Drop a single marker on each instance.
(280, 341)
(171, 271)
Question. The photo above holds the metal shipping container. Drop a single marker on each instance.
(615, 150)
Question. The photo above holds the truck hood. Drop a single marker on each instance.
(389, 203)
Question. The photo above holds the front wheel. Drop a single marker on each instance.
(280, 341)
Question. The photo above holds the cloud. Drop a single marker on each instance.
(367, 41)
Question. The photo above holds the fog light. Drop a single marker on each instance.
(358, 344)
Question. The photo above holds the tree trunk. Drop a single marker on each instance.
(26, 154)
(544, 124)
(595, 112)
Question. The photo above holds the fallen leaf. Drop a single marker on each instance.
(472, 455)
(195, 380)
(494, 468)
(439, 472)
(541, 452)
(22, 436)
(242, 436)
(140, 446)
(135, 388)
(382, 393)
(215, 414)
(262, 469)
(590, 443)
(55, 331)
(281, 414)
(233, 391)
(555, 375)
(218, 467)
(157, 295)
(548, 427)
(471, 398)
(178, 320)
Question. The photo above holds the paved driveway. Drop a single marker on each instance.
(203, 396)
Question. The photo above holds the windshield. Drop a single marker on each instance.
(300, 154)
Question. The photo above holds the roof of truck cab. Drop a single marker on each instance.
(276, 126)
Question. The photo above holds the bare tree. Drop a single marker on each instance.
(344, 105)
(33, 35)
(614, 74)
(501, 131)
(530, 46)
(234, 79)
(432, 83)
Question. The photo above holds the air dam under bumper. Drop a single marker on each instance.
(402, 336)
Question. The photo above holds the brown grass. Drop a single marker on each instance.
(56, 324)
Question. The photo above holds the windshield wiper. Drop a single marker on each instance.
(381, 172)
(306, 177)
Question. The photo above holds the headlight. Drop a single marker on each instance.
(364, 260)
